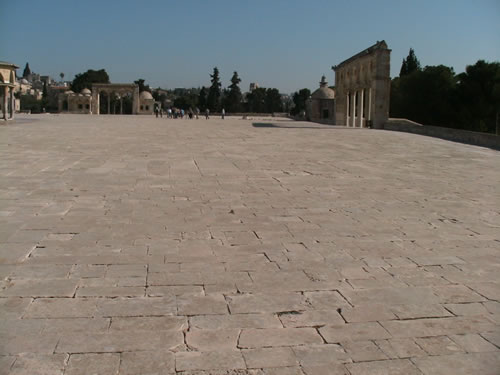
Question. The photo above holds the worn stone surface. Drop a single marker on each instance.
(136, 245)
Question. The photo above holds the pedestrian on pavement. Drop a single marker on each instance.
(223, 113)
(207, 113)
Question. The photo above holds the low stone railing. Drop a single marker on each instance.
(450, 134)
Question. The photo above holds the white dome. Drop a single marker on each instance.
(69, 92)
(24, 81)
(86, 92)
(145, 95)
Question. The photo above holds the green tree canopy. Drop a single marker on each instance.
(142, 86)
(233, 98)
(85, 80)
(299, 101)
(257, 100)
(202, 99)
(214, 92)
(410, 64)
(273, 101)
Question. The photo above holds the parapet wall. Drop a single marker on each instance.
(450, 134)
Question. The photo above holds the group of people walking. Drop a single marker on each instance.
(180, 113)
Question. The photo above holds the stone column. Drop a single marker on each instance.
(353, 119)
(361, 108)
(348, 100)
(369, 117)
(5, 102)
(109, 103)
(121, 106)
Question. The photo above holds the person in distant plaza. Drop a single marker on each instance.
(207, 114)
(161, 111)
(190, 113)
(223, 113)
(156, 110)
(169, 113)
(197, 111)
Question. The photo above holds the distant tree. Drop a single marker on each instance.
(61, 75)
(142, 87)
(478, 96)
(214, 92)
(257, 100)
(202, 99)
(233, 97)
(410, 64)
(273, 101)
(26, 71)
(85, 80)
(299, 101)
(186, 101)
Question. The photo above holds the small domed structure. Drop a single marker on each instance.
(322, 104)
(69, 92)
(86, 92)
(145, 95)
(24, 81)
(324, 92)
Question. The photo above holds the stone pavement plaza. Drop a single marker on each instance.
(137, 246)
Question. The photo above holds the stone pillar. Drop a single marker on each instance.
(5, 102)
(353, 119)
(135, 100)
(348, 100)
(361, 108)
(12, 103)
(121, 106)
(109, 103)
(369, 117)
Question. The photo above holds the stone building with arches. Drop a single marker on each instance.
(362, 85)
(7, 86)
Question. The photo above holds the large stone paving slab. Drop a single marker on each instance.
(132, 245)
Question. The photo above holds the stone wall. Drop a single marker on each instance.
(455, 135)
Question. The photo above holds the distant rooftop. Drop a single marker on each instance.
(380, 45)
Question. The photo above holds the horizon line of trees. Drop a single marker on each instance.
(435, 95)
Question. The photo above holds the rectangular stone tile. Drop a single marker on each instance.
(238, 321)
(5, 364)
(354, 332)
(438, 326)
(392, 296)
(333, 369)
(313, 318)
(40, 288)
(208, 340)
(149, 323)
(158, 362)
(52, 364)
(13, 307)
(19, 327)
(265, 303)
(61, 308)
(372, 314)
(438, 345)
(175, 290)
(110, 291)
(270, 357)
(457, 294)
(28, 343)
(126, 270)
(107, 282)
(400, 348)
(362, 351)
(462, 364)
(201, 305)
(115, 342)
(95, 364)
(473, 343)
(436, 260)
(319, 355)
(123, 307)
(325, 300)
(488, 290)
(189, 361)
(82, 271)
(40, 272)
(260, 338)
(74, 325)
(467, 309)
(389, 367)
(420, 311)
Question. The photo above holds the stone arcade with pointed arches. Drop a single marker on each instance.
(362, 88)
(7, 85)
(118, 89)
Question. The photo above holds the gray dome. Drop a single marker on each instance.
(24, 81)
(323, 93)
(86, 92)
(145, 95)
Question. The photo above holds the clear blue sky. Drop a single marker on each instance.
(286, 44)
